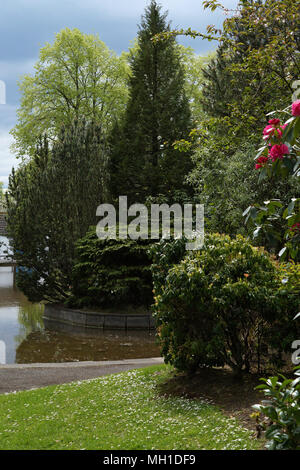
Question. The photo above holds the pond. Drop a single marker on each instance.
(26, 338)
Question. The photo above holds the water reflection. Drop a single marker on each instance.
(30, 319)
(29, 339)
(65, 343)
(18, 317)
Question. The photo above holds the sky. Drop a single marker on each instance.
(26, 25)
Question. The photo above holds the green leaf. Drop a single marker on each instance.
(256, 232)
(247, 211)
(263, 174)
(257, 407)
(282, 252)
(288, 135)
(289, 164)
(261, 151)
(297, 128)
(297, 165)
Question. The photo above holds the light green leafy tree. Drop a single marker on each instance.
(194, 65)
(77, 76)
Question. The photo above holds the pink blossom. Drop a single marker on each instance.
(273, 129)
(296, 108)
(261, 161)
(278, 151)
(295, 227)
(270, 131)
(267, 130)
(274, 122)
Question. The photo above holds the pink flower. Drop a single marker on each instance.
(296, 108)
(274, 122)
(268, 130)
(295, 227)
(261, 161)
(272, 129)
(278, 151)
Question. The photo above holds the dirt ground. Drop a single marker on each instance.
(233, 395)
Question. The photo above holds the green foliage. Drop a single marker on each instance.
(256, 63)
(51, 203)
(194, 66)
(279, 219)
(111, 273)
(282, 409)
(254, 67)
(224, 304)
(290, 276)
(252, 71)
(75, 77)
(224, 181)
(164, 255)
(143, 160)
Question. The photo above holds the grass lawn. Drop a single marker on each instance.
(122, 411)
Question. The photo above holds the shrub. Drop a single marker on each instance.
(282, 410)
(224, 304)
(164, 255)
(111, 272)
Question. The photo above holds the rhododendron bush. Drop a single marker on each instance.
(279, 157)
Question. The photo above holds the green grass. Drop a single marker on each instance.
(122, 411)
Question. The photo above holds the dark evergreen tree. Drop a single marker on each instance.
(256, 64)
(143, 160)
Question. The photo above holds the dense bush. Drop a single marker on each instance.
(111, 273)
(164, 255)
(225, 304)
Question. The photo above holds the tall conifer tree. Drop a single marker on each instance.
(51, 203)
(143, 160)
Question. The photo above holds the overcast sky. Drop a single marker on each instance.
(25, 26)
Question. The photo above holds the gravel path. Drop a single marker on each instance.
(17, 377)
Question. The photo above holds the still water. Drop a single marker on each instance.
(29, 339)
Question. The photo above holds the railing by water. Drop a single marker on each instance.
(7, 261)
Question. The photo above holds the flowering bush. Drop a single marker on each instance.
(274, 129)
(280, 143)
(279, 158)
